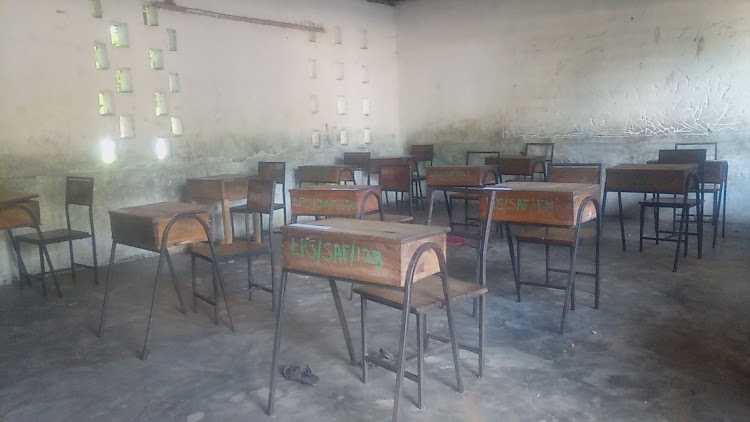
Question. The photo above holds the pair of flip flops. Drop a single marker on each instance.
(301, 374)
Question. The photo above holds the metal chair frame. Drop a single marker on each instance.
(267, 170)
(719, 197)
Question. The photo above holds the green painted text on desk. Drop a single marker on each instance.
(452, 173)
(317, 204)
(530, 205)
(345, 254)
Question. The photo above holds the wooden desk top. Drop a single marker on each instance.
(12, 197)
(550, 204)
(359, 250)
(460, 176)
(218, 188)
(648, 178)
(325, 174)
(378, 162)
(143, 226)
(333, 200)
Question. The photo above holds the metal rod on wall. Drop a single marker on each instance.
(200, 12)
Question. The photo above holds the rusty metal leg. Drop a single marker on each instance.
(276, 342)
(193, 282)
(363, 322)
(402, 348)
(144, 351)
(622, 223)
(106, 289)
(41, 265)
(342, 320)
(420, 361)
(174, 280)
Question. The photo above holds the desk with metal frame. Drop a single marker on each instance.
(149, 227)
(457, 179)
(20, 209)
(354, 201)
(363, 252)
(518, 165)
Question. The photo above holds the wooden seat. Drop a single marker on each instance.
(568, 237)
(78, 191)
(260, 199)
(426, 295)
(681, 202)
(267, 170)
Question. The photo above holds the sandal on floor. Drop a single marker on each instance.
(386, 355)
(301, 374)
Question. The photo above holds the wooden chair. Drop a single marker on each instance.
(427, 295)
(260, 199)
(360, 161)
(590, 173)
(684, 203)
(545, 149)
(422, 154)
(715, 184)
(78, 191)
(267, 170)
(397, 179)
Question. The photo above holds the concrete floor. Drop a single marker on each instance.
(662, 347)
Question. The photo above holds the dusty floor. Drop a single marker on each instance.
(663, 347)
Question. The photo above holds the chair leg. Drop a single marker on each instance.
(420, 361)
(144, 351)
(231, 223)
(22, 273)
(106, 290)
(193, 282)
(273, 282)
(573, 252)
(622, 223)
(223, 293)
(249, 278)
(96, 263)
(482, 323)
(41, 262)
(363, 323)
(215, 296)
(72, 261)
(569, 288)
(640, 228)
(174, 281)
(518, 271)
(546, 263)
(679, 238)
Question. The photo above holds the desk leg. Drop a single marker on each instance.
(276, 342)
(227, 218)
(402, 348)
(22, 273)
(144, 351)
(257, 235)
(342, 320)
(106, 289)
(622, 223)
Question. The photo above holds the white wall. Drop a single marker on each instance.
(610, 81)
(245, 97)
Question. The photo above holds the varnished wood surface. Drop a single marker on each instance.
(10, 197)
(516, 165)
(217, 188)
(460, 176)
(333, 200)
(143, 226)
(378, 162)
(648, 178)
(12, 218)
(366, 251)
(550, 204)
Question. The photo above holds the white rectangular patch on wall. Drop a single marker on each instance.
(176, 126)
(160, 103)
(312, 68)
(341, 104)
(174, 82)
(344, 137)
(106, 103)
(127, 127)
(171, 40)
(339, 71)
(363, 39)
(124, 80)
(367, 136)
(101, 60)
(365, 74)
(156, 58)
(314, 104)
(315, 138)
(337, 35)
(150, 15)
(96, 9)
(366, 106)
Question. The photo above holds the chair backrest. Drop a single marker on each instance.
(575, 173)
(545, 149)
(422, 152)
(696, 145)
(685, 156)
(395, 178)
(360, 160)
(480, 157)
(260, 196)
(79, 190)
(272, 170)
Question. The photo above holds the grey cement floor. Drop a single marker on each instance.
(662, 347)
